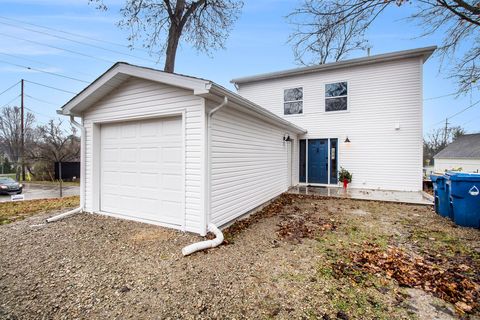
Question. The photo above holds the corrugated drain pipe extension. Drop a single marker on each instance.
(82, 176)
(202, 245)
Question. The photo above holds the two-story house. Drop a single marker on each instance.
(364, 115)
(185, 153)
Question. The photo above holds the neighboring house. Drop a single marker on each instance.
(362, 114)
(463, 153)
(183, 152)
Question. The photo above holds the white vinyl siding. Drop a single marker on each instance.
(140, 99)
(249, 164)
(467, 165)
(380, 96)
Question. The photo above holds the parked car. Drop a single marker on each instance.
(10, 186)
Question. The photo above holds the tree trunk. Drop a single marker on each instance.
(174, 34)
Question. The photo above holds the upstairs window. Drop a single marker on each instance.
(336, 96)
(293, 101)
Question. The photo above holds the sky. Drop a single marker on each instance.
(257, 44)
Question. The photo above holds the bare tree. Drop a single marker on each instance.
(457, 21)
(436, 140)
(319, 39)
(10, 133)
(54, 144)
(205, 24)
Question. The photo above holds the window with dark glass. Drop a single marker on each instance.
(293, 101)
(303, 161)
(333, 161)
(336, 96)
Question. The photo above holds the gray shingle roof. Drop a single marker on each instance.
(423, 52)
(467, 146)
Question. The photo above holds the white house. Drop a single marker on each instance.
(364, 115)
(184, 152)
(463, 153)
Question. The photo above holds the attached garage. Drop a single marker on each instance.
(177, 151)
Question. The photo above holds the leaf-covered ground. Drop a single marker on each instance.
(19, 210)
(298, 258)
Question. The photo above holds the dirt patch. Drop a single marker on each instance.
(95, 267)
(155, 234)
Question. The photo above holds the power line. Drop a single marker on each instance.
(40, 114)
(74, 34)
(55, 47)
(446, 95)
(76, 41)
(6, 104)
(50, 87)
(43, 71)
(41, 100)
(461, 111)
(438, 97)
(39, 62)
(456, 114)
(16, 83)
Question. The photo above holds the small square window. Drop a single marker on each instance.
(336, 96)
(293, 101)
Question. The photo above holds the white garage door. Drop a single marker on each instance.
(141, 170)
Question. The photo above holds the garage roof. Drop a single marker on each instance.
(425, 53)
(122, 71)
(465, 147)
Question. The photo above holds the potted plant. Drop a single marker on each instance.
(345, 176)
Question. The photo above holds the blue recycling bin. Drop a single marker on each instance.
(448, 185)
(442, 201)
(465, 199)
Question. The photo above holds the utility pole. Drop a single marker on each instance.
(22, 128)
(445, 135)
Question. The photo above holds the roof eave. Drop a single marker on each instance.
(125, 70)
(420, 52)
(235, 98)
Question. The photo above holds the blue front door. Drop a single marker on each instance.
(318, 161)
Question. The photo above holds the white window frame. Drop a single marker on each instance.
(283, 101)
(344, 96)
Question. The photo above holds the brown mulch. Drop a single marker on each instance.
(270, 210)
(452, 284)
(295, 224)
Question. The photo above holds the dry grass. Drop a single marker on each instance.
(19, 210)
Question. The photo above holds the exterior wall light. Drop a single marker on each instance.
(287, 138)
(347, 140)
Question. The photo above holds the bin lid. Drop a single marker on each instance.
(475, 177)
(435, 177)
(449, 174)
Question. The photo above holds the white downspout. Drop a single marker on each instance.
(211, 227)
(82, 175)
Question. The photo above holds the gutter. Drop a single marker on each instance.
(82, 176)
(202, 245)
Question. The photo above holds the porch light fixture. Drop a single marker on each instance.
(287, 138)
(347, 140)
